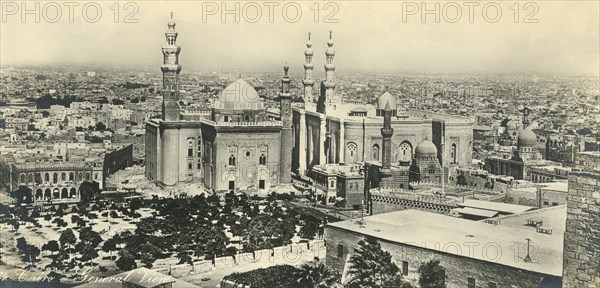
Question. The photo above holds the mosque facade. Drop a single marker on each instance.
(334, 139)
(233, 146)
(236, 145)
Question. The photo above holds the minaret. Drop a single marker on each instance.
(525, 118)
(308, 81)
(285, 108)
(329, 69)
(327, 96)
(387, 131)
(170, 70)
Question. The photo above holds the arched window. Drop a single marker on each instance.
(351, 151)
(71, 178)
(38, 177)
(332, 184)
(30, 178)
(63, 177)
(232, 160)
(47, 177)
(22, 178)
(262, 160)
(431, 170)
(405, 153)
(375, 152)
(247, 118)
(453, 153)
(80, 176)
(55, 178)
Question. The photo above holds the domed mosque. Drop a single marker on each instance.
(233, 146)
(525, 156)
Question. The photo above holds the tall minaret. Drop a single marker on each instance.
(329, 69)
(170, 70)
(387, 131)
(285, 108)
(308, 73)
(327, 98)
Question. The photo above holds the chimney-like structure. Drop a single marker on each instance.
(170, 70)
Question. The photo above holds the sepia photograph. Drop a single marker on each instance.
(300, 144)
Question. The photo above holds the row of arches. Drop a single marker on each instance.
(404, 153)
(46, 194)
(55, 177)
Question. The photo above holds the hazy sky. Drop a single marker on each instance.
(370, 36)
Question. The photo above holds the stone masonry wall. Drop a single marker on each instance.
(340, 243)
(581, 264)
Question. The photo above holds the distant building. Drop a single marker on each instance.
(524, 157)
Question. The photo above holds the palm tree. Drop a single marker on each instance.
(317, 274)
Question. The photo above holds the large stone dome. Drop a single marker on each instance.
(426, 147)
(527, 138)
(239, 95)
(386, 98)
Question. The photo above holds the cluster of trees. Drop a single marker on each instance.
(311, 275)
(28, 252)
(194, 228)
(371, 266)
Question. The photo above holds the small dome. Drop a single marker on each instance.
(386, 98)
(239, 95)
(526, 138)
(426, 147)
(511, 125)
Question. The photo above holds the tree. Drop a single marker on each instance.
(51, 246)
(67, 237)
(23, 195)
(30, 254)
(100, 126)
(89, 237)
(373, 267)
(88, 254)
(126, 261)
(89, 190)
(310, 227)
(432, 275)
(316, 274)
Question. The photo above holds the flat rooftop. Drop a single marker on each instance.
(495, 206)
(500, 244)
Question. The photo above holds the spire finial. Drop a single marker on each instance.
(171, 14)
(330, 34)
(308, 36)
(285, 69)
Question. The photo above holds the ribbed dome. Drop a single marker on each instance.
(239, 95)
(385, 99)
(527, 138)
(426, 147)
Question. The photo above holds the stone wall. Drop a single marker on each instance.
(341, 243)
(581, 267)
(291, 254)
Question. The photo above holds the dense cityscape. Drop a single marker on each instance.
(300, 177)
